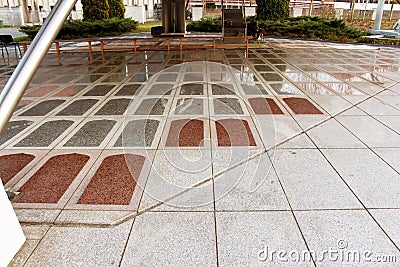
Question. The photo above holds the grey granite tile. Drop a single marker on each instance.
(227, 106)
(152, 106)
(13, 128)
(45, 134)
(138, 133)
(78, 107)
(167, 77)
(172, 238)
(43, 108)
(100, 90)
(192, 89)
(114, 107)
(129, 89)
(189, 106)
(91, 134)
(218, 89)
(247, 238)
(81, 246)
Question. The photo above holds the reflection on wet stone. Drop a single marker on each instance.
(254, 89)
(100, 90)
(152, 106)
(128, 90)
(167, 77)
(138, 133)
(114, 107)
(189, 106)
(227, 106)
(78, 107)
(13, 128)
(91, 134)
(285, 89)
(161, 89)
(43, 108)
(45, 134)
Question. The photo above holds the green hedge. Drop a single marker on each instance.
(206, 24)
(76, 29)
(306, 27)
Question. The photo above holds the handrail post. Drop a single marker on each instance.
(58, 48)
(134, 45)
(90, 47)
(26, 69)
(169, 44)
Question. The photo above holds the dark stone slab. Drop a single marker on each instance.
(45, 134)
(129, 89)
(285, 88)
(218, 89)
(263, 68)
(78, 107)
(13, 128)
(100, 90)
(192, 89)
(43, 108)
(51, 181)
(227, 106)
(114, 181)
(138, 133)
(13, 164)
(91, 134)
(114, 107)
(272, 77)
(152, 106)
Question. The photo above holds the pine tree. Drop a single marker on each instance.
(272, 9)
(117, 9)
(95, 9)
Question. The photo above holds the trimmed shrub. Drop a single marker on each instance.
(206, 24)
(95, 9)
(76, 29)
(117, 9)
(306, 27)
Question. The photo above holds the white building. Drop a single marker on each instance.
(20, 12)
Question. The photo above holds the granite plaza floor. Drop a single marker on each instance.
(287, 157)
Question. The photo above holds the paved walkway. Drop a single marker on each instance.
(289, 156)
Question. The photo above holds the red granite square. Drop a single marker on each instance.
(301, 106)
(234, 132)
(13, 164)
(264, 106)
(186, 132)
(41, 91)
(51, 181)
(114, 181)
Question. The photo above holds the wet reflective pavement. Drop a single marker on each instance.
(208, 157)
